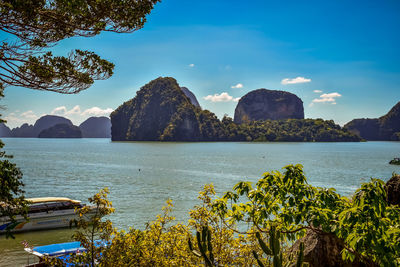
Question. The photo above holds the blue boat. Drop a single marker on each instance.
(62, 251)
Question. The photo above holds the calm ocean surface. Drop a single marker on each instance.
(141, 176)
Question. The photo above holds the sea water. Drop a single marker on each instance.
(141, 176)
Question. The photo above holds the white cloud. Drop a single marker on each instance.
(28, 115)
(326, 98)
(17, 118)
(191, 65)
(223, 97)
(63, 111)
(96, 111)
(59, 111)
(317, 91)
(239, 85)
(295, 80)
(13, 120)
(74, 110)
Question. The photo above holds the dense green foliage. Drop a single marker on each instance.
(294, 130)
(35, 26)
(367, 226)
(254, 226)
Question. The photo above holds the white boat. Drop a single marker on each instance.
(44, 213)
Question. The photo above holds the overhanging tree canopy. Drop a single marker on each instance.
(33, 26)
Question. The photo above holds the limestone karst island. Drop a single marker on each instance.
(149, 133)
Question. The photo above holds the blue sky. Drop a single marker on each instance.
(344, 55)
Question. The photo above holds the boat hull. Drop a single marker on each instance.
(41, 221)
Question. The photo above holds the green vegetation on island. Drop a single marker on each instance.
(162, 112)
(61, 131)
(395, 161)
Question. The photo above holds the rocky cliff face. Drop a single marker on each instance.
(159, 111)
(25, 130)
(392, 188)
(365, 128)
(385, 128)
(390, 124)
(96, 127)
(48, 121)
(5, 131)
(45, 122)
(263, 104)
(191, 96)
(61, 131)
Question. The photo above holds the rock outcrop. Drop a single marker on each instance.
(25, 130)
(263, 104)
(62, 130)
(365, 128)
(191, 96)
(5, 131)
(322, 250)
(96, 127)
(393, 190)
(48, 121)
(385, 128)
(390, 124)
(44, 122)
(159, 111)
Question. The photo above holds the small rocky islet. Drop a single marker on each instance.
(45, 127)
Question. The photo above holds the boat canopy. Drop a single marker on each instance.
(56, 249)
(51, 199)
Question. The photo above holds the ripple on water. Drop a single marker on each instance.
(78, 168)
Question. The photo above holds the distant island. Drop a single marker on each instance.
(51, 126)
(385, 128)
(164, 111)
(61, 130)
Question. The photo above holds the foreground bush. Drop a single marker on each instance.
(252, 226)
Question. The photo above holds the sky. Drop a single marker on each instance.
(340, 57)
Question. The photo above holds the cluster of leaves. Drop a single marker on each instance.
(366, 226)
(163, 242)
(34, 26)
